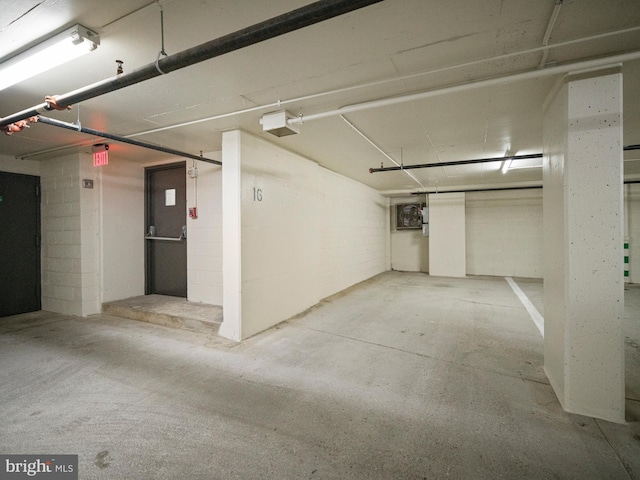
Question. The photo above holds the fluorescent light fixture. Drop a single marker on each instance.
(525, 167)
(61, 48)
(506, 165)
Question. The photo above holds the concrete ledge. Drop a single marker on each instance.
(168, 311)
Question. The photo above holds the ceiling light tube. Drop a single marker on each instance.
(506, 165)
(61, 48)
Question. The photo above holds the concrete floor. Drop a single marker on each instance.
(405, 376)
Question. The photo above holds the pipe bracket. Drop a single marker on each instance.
(158, 64)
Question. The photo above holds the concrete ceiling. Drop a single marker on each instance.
(392, 48)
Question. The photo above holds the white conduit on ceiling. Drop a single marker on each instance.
(547, 33)
(359, 132)
(281, 103)
(578, 67)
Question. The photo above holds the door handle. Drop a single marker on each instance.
(152, 230)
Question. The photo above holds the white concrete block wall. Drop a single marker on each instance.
(122, 226)
(354, 234)
(409, 248)
(280, 234)
(70, 267)
(504, 233)
(447, 236)
(204, 234)
(306, 233)
(489, 235)
(60, 211)
(90, 233)
(232, 235)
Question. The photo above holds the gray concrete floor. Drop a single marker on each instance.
(405, 376)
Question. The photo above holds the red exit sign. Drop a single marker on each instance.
(100, 155)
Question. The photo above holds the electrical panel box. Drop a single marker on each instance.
(425, 221)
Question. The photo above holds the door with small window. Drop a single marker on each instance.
(166, 234)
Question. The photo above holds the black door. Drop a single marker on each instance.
(19, 244)
(166, 244)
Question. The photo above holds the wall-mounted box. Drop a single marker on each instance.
(277, 123)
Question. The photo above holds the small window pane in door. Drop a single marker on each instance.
(170, 197)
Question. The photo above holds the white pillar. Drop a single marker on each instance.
(447, 243)
(583, 237)
(231, 237)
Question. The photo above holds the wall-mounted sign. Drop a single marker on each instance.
(170, 197)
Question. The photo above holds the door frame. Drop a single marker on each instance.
(148, 171)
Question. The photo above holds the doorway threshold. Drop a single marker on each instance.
(174, 312)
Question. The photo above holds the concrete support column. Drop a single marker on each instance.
(583, 238)
(71, 270)
(447, 242)
(231, 236)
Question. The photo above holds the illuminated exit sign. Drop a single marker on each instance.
(100, 155)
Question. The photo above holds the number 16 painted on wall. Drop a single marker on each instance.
(257, 194)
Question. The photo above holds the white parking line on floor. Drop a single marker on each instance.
(533, 312)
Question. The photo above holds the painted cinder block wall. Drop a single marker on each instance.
(123, 229)
(91, 238)
(447, 236)
(409, 248)
(121, 184)
(121, 224)
(294, 233)
(354, 232)
(70, 236)
(504, 233)
(204, 233)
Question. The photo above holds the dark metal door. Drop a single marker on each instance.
(19, 244)
(166, 243)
